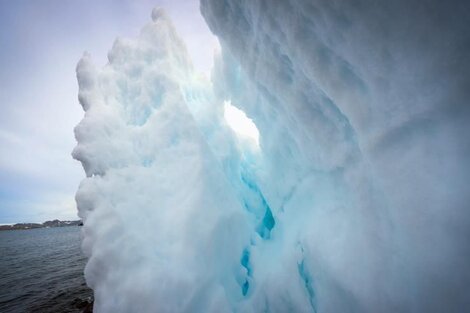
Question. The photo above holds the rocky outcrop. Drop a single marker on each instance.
(47, 224)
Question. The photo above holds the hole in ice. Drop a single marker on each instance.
(240, 123)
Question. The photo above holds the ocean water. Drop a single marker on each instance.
(41, 270)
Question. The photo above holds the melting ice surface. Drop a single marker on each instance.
(353, 199)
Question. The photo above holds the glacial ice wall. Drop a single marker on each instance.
(362, 108)
(353, 200)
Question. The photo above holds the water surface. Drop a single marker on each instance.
(41, 270)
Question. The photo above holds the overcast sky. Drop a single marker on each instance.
(41, 43)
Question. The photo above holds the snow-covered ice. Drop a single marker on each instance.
(322, 168)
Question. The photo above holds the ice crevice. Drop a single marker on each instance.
(307, 279)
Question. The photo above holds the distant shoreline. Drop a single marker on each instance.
(47, 224)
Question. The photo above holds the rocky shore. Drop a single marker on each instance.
(47, 224)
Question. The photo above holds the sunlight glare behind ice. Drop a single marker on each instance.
(240, 123)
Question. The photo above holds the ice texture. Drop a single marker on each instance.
(363, 115)
(163, 232)
(354, 197)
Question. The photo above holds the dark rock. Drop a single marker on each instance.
(54, 223)
(86, 306)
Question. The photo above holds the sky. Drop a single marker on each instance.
(41, 43)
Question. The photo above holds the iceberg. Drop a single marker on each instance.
(322, 168)
(157, 206)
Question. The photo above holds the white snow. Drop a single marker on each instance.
(352, 199)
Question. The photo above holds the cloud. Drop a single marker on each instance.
(38, 88)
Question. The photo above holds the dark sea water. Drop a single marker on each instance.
(41, 270)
